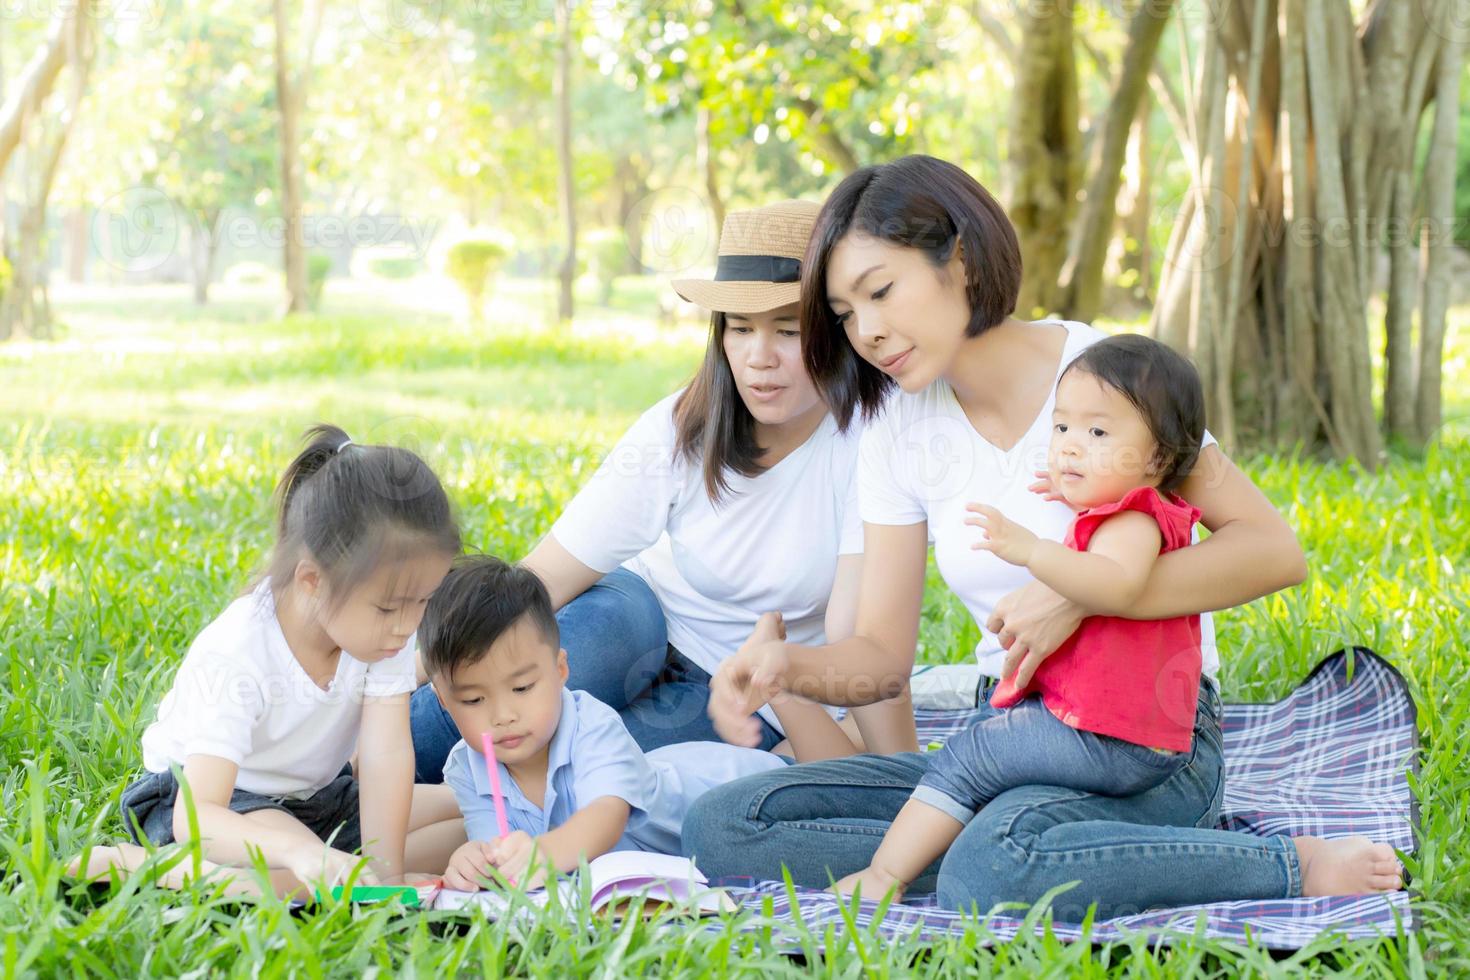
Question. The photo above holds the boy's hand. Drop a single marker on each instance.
(468, 865)
(1003, 538)
(514, 855)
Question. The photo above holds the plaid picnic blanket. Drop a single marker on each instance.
(1330, 759)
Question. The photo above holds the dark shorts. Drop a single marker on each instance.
(148, 809)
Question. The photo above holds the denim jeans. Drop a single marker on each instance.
(617, 651)
(1158, 848)
(1027, 745)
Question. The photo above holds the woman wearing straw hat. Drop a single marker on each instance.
(729, 499)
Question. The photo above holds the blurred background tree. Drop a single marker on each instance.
(1269, 185)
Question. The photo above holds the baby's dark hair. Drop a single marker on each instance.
(349, 507)
(1163, 386)
(479, 600)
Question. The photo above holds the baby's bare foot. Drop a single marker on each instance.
(1347, 866)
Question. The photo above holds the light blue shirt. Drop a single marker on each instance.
(591, 756)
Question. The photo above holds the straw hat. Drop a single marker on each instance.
(759, 264)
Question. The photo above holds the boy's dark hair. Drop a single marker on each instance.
(481, 598)
(1163, 386)
(348, 507)
(919, 202)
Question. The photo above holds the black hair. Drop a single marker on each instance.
(479, 600)
(349, 507)
(712, 422)
(918, 202)
(1163, 386)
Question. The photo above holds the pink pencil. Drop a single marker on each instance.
(493, 770)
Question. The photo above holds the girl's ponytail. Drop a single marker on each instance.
(347, 507)
(323, 441)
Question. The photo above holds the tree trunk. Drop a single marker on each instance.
(562, 93)
(1135, 258)
(26, 308)
(828, 142)
(39, 76)
(1045, 166)
(706, 164)
(294, 246)
(1439, 233)
(1080, 290)
(1321, 122)
(202, 252)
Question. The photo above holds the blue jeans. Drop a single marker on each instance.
(1158, 848)
(618, 651)
(1027, 745)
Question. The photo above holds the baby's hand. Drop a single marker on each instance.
(874, 884)
(1003, 538)
(1043, 486)
(470, 863)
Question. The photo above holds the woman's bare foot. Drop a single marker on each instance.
(1346, 866)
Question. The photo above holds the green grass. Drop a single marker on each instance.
(139, 452)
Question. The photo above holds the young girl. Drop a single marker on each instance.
(315, 661)
(1112, 711)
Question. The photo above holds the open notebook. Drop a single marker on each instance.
(657, 880)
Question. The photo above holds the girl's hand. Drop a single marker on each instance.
(745, 681)
(468, 865)
(329, 867)
(1003, 538)
(513, 856)
(1032, 622)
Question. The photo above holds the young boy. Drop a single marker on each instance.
(575, 783)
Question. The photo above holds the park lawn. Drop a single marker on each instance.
(139, 450)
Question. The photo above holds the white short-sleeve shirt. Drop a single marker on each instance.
(922, 460)
(240, 694)
(769, 545)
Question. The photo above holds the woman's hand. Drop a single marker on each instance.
(750, 678)
(1032, 622)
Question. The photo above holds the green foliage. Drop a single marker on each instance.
(395, 267)
(471, 263)
(607, 254)
(137, 490)
(7, 275)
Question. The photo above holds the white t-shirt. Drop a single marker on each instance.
(240, 694)
(922, 460)
(770, 545)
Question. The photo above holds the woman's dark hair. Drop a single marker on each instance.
(918, 202)
(1163, 386)
(711, 422)
(481, 598)
(348, 507)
